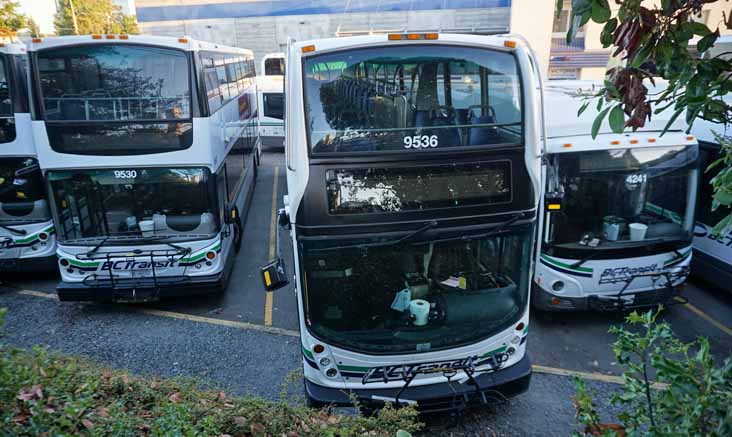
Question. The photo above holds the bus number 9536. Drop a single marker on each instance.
(420, 141)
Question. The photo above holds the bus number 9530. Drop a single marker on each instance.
(125, 174)
(420, 141)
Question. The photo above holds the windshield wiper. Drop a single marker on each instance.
(15, 231)
(402, 239)
(162, 241)
(497, 229)
(100, 244)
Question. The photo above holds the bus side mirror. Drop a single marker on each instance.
(232, 214)
(274, 276)
(283, 219)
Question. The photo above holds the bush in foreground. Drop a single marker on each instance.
(691, 396)
(43, 393)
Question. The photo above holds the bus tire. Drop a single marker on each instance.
(238, 232)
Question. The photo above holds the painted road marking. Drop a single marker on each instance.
(592, 376)
(705, 316)
(268, 298)
(182, 316)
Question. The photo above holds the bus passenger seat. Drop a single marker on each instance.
(483, 134)
(194, 224)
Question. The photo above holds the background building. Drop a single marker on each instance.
(265, 25)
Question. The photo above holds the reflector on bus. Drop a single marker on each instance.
(412, 36)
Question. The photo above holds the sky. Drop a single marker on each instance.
(41, 11)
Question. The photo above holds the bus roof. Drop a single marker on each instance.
(565, 127)
(13, 48)
(182, 43)
(328, 44)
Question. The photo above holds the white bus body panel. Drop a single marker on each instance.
(268, 126)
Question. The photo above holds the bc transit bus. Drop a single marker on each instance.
(136, 136)
(271, 96)
(413, 182)
(712, 253)
(618, 210)
(27, 234)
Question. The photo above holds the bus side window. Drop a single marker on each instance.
(222, 81)
(212, 84)
(234, 163)
(707, 155)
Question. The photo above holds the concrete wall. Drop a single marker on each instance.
(269, 34)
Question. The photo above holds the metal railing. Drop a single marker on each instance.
(117, 108)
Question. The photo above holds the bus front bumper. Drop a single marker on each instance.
(496, 387)
(140, 290)
(36, 264)
(545, 301)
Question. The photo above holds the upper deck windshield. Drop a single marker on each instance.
(274, 67)
(128, 204)
(359, 298)
(623, 197)
(115, 99)
(7, 116)
(22, 197)
(412, 97)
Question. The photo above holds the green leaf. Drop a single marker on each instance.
(583, 108)
(672, 120)
(721, 226)
(617, 119)
(600, 11)
(606, 36)
(707, 42)
(723, 197)
(698, 28)
(559, 7)
(598, 122)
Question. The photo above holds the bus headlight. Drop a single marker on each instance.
(331, 373)
(325, 362)
(558, 286)
(64, 262)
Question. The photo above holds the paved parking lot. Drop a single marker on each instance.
(245, 340)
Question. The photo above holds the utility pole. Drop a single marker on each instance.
(73, 17)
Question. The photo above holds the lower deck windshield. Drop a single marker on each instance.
(619, 198)
(22, 197)
(415, 297)
(133, 203)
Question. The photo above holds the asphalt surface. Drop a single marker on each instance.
(218, 339)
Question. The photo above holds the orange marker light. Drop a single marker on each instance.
(395, 37)
(431, 36)
(110, 37)
(36, 40)
(615, 142)
(183, 40)
(124, 37)
(308, 49)
(318, 348)
(414, 36)
(567, 145)
(96, 36)
(651, 140)
(633, 141)
(509, 44)
(690, 138)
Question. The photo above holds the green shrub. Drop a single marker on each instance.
(45, 393)
(691, 395)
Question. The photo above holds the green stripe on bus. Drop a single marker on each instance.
(565, 266)
(683, 256)
(352, 368)
(307, 353)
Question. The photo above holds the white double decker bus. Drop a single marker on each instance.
(149, 147)
(271, 96)
(413, 181)
(618, 209)
(27, 235)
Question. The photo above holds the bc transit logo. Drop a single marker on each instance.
(136, 265)
(626, 272)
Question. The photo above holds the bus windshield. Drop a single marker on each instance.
(415, 297)
(130, 203)
(22, 196)
(115, 98)
(623, 197)
(412, 97)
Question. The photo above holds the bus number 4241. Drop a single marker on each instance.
(420, 141)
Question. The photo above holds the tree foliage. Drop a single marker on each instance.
(691, 395)
(657, 39)
(82, 17)
(10, 18)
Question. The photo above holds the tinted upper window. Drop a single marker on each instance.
(412, 97)
(114, 82)
(7, 124)
(274, 67)
(22, 196)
